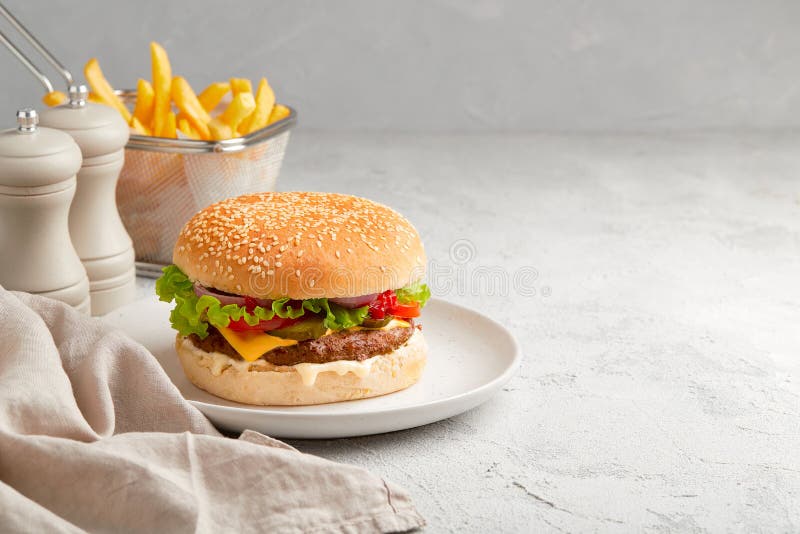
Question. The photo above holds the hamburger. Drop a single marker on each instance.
(298, 298)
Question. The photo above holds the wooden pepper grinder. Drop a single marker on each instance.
(105, 248)
(37, 184)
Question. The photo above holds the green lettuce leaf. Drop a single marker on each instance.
(416, 292)
(173, 283)
(175, 286)
(337, 317)
(193, 314)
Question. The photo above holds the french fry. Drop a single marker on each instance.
(103, 89)
(185, 127)
(170, 126)
(219, 130)
(139, 127)
(154, 114)
(54, 98)
(211, 95)
(241, 85)
(242, 105)
(187, 102)
(143, 111)
(162, 85)
(279, 112)
(265, 101)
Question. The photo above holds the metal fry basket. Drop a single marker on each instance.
(164, 182)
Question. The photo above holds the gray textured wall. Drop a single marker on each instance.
(455, 65)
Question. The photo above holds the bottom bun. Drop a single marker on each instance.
(265, 384)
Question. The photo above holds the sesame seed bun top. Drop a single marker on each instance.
(300, 245)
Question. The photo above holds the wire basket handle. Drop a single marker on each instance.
(17, 25)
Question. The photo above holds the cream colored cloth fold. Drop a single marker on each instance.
(94, 437)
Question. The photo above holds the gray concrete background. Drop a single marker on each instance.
(447, 65)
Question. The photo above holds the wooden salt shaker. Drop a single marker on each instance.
(37, 184)
(105, 248)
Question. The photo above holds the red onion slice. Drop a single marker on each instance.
(354, 302)
(225, 298)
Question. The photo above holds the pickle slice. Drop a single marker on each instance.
(377, 323)
(311, 328)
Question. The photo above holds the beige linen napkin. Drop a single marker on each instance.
(94, 436)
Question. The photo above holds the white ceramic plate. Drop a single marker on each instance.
(470, 358)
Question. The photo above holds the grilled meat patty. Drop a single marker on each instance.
(344, 345)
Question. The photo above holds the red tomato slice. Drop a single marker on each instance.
(405, 311)
(272, 324)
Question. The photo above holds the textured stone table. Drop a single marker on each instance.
(660, 387)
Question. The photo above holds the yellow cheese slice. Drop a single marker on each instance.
(251, 345)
